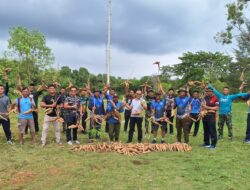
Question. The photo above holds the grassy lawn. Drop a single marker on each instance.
(57, 167)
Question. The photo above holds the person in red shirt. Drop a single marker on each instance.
(211, 104)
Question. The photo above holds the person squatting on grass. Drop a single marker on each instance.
(182, 119)
(51, 102)
(225, 114)
(113, 117)
(25, 106)
(96, 107)
(73, 105)
(211, 104)
(194, 112)
(137, 106)
(158, 113)
(5, 103)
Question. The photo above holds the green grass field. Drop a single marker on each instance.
(57, 167)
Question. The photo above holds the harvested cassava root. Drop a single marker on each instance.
(132, 149)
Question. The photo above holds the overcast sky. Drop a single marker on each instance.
(142, 30)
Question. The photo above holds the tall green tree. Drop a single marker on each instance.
(30, 49)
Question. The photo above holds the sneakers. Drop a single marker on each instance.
(211, 147)
(69, 143)
(91, 141)
(59, 143)
(154, 141)
(205, 145)
(9, 142)
(230, 138)
(247, 141)
(76, 142)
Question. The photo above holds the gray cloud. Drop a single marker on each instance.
(138, 26)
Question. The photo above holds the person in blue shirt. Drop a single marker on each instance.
(114, 108)
(225, 115)
(96, 106)
(182, 119)
(25, 106)
(194, 109)
(158, 111)
(108, 95)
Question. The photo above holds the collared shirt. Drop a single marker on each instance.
(159, 108)
(136, 107)
(98, 103)
(181, 103)
(195, 105)
(73, 101)
(110, 108)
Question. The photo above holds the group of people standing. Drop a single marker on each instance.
(74, 107)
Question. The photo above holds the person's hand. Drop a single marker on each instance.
(94, 108)
(53, 105)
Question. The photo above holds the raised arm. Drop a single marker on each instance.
(216, 92)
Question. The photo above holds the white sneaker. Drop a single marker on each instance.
(9, 142)
(60, 142)
(69, 143)
(76, 142)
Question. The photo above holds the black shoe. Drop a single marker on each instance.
(163, 142)
(154, 141)
(139, 141)
(129, 141)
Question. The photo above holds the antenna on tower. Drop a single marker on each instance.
(108, 43)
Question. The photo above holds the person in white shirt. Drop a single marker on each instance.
(137, 106)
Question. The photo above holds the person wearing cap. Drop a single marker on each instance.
(225, 114)
(84, 101)
(149, 99)
(137, 106)
(194, 111)
(211, 104)
(96, 106)
(158, 112)
(114, 118)
(182, 119)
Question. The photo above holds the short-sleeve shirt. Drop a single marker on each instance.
(195, 105)
(49, 100)
(169, 102)
(159, 108)
(181, 103)
(4, 103)
(84, 102)
(72, 101)
(110, 108)
(25, 105)
(136, 107)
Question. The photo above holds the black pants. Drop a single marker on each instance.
(209, 125)
(135, 121)
(126, 118)
(84, 117)
(107, 127)
(171, 127)
(35, 117)
(71, 119)
(248, 127)
(196, 124)
(6, 128)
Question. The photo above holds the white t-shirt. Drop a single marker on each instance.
(136, 107)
